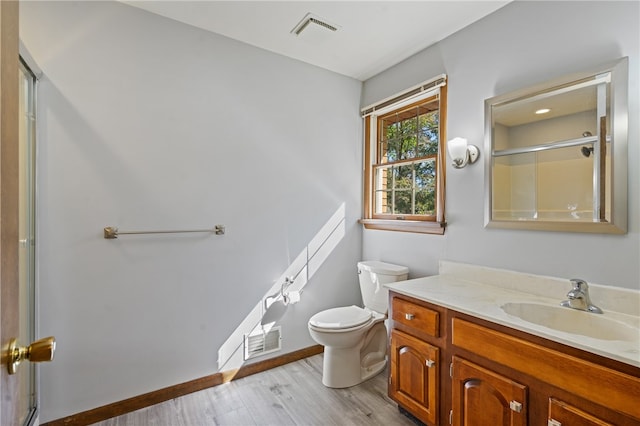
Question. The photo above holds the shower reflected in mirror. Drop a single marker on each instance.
(551, 151)
(586, 151)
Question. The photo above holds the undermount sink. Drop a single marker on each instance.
(568, 320)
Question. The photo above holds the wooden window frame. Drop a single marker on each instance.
(426, 224)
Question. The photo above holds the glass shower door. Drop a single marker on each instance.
(27, 398)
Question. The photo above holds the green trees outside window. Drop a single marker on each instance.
(405, 174)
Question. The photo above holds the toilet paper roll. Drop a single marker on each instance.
(293, 297)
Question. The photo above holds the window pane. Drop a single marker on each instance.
(408, 138)
(403, 176)
(383, 178)
(383, 148)
(389, 137)
(400, 136)
(425, 202)
(403, 201)
(425, 187)
(428, 133)
(384, 186)
(406, 189)
(383, 202)
(426, 174)
(392, 153)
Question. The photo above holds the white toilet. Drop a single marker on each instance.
(354, 338)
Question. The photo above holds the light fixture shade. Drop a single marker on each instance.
(457, 148)
(462, 153)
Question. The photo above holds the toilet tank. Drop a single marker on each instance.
(372, 275)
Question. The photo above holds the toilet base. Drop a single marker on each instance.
(342, 368)
(346, 367)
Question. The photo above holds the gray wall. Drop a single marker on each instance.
(522, 44)
(146, 123)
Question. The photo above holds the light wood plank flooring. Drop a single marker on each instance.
(292, 394)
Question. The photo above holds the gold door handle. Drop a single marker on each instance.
(39, 351)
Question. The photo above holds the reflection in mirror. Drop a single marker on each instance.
(558, 154)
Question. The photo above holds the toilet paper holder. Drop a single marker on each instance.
(288, 297)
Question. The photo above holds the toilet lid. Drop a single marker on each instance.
(344, 317)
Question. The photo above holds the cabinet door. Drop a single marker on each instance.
(563, 414)
(484, 398)
(413, 381)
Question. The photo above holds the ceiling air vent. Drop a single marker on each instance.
(308, 19)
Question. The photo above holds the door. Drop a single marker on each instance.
(482, 397)
(17, 230)
(10, 413)
(414, 376)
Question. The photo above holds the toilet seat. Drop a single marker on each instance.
(342, 318)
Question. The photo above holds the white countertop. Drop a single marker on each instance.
(457, 292)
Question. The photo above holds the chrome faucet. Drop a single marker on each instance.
(578, 297)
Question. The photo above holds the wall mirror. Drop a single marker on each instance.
(557, 154)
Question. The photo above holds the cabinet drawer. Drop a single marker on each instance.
(416, 316)
(563, 414)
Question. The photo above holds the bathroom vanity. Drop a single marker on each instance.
(460, 353)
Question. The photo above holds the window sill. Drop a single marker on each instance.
(416, 226)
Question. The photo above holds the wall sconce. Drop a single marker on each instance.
(461, 153)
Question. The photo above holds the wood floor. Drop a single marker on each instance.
(292, 394)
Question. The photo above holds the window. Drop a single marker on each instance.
(404, 158)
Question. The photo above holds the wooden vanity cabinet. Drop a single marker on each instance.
(490, 375)
(415, 358)
(595, 390)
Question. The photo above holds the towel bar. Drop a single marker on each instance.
(111, 232)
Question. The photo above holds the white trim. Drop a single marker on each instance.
(426, 89)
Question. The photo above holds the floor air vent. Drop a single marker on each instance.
(260, 343)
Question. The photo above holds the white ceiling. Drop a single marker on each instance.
(371, 37)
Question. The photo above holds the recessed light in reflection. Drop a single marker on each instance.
(543, 111)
